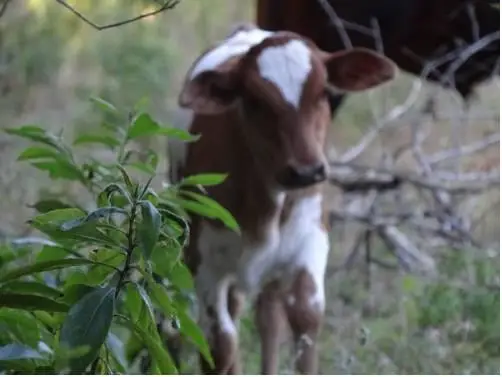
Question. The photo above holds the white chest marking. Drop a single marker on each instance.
(298, 244)
(288, 67)
(238, 44)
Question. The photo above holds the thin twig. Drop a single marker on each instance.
(169, 4)
(337, 21)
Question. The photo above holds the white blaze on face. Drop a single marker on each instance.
(287, 66)
(238, 44)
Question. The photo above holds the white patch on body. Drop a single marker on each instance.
(287, 66)
(236, 45)
(226, 258)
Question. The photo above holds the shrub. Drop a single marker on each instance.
(86, 291)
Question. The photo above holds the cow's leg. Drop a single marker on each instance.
(270, 321)
(305, 301)
(217, 324)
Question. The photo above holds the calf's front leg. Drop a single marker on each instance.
(270, 320)
(305, 302)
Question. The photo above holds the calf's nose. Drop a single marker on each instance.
(298, 177)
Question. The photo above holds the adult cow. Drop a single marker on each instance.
(451, 42)
(259, 101)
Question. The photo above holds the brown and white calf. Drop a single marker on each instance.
(259, 101)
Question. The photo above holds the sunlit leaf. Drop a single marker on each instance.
(144, 125)
(104, 105)
(208, 207)
(106, 140)
(203, 179)
(51, 253)
(33, 153)
(60, 169)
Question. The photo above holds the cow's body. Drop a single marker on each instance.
(258, 103)
(416, 34)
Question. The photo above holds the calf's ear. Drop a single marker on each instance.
(211, 91)
(358, 69)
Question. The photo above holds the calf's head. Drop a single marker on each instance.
(279, 83)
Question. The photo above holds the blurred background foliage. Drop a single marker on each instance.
(51, 63)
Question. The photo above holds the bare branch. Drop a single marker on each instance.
(352, 177)
(464, 150)
(394, 114)
(337, 22)
(169, 4)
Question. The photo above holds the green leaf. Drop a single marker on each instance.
(99, 272)
(149, 228)
(210, 208)
(44, 206)
(203, 179)
(20, 325)
(104, 105)
(144, 125)
(87, 324)
(60, 169)
(49, 253)
(142, 104)
(32, 153)
(40, 135)
(50, 223)
(143, 313)
(193, 332)
(179, 134)
(164, 256)
(74, 292)
(31, 287)
(181, 277)
(106, 140)
(187, 326)
(145, 168)
(156, 350)
(18, 352)
(108, 192)
(92, 216)
(30, 302)
(58, 216)
(43, 266)
(127, 179)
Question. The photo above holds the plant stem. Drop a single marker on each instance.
(94, 366)
(130, 249)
